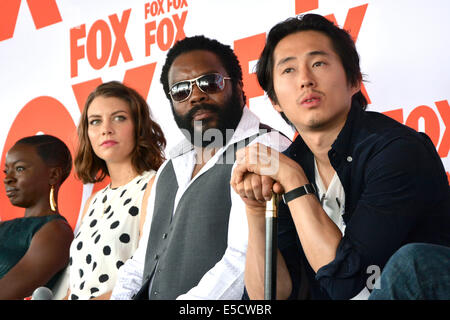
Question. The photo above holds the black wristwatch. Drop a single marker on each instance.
(298, 192)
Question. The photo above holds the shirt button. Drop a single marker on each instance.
(156, 257)
(349, 159)
(155, 293)
(164, 236)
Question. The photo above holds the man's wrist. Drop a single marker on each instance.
(294, 182)
(298, 192)
(292, 176)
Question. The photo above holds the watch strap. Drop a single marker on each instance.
(298, 192)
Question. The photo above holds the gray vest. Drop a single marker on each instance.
(182, 248)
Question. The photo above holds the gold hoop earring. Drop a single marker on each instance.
(52, 199)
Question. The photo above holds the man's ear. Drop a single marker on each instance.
(240, 87)
(55, 176)
(356, 87)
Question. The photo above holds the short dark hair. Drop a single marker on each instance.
(150, 141)
(341, 40)
(52, 151)
(224, 52)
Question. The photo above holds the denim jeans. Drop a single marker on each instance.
(417, 271)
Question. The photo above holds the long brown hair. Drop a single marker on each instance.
(150, 142)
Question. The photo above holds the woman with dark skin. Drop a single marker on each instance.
(34, 248)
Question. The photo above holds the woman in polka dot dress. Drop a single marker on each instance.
(117, 138)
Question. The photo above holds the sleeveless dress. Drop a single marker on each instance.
(107, 237)
(15, 239)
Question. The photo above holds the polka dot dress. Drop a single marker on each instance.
(107, 237)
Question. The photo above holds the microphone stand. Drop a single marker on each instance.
(270, 270)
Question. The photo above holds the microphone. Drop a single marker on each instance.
(270, 270)
(42, 293)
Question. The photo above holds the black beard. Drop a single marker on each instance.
(228, 117)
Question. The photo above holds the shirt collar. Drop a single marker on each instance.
(343, 144)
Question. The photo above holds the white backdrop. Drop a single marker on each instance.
(53, 52)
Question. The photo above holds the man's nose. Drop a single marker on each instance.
(197, 95)
(307, 81)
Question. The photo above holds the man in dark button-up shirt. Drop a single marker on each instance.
(394, 186)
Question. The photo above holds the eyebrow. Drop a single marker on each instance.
(203, 74)
(112, 114)
(15, 162)
(310, 54)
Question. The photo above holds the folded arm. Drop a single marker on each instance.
(48, 254)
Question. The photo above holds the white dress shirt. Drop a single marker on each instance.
(226, 279)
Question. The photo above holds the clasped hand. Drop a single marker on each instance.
(260, 170)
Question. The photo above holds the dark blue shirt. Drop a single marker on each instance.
(396, 192)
